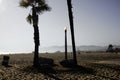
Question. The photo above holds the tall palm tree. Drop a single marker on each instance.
(72, 29)
(37, 7)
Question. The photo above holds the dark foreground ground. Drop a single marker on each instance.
(92, 66)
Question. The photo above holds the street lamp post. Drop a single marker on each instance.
(65, 29)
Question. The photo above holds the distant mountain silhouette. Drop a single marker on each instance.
(81, 48)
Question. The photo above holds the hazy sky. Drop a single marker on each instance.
(96, 22)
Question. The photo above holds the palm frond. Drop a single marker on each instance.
(30, 1)
(41, 8)
(41, 2)
(29, 18)
(24, 3)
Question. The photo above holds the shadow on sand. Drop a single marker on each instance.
(78, 69)
(48, 68)
(51, 71)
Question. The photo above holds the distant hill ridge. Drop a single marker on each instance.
(81, 48)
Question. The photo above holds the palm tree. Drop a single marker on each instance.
(37, 7)
(72, 29)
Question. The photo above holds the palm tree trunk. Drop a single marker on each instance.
(72, 30)
(36, 41)
(36, 37)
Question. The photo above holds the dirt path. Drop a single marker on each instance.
(109, 62)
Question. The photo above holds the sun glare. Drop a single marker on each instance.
(0, 1)
(2, 6)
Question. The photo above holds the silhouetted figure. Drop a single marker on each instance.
(110, 48)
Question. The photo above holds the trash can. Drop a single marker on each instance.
(5, 60)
